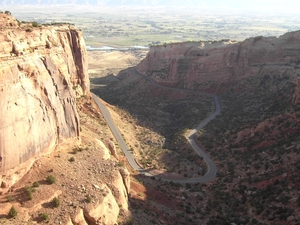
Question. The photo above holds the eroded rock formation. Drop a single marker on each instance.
(215, 65)
(112, 149)
(296, 99)
(103, 211)
(42, 70)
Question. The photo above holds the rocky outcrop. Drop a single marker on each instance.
(119, 189)
(42, 70)
(126, 178)
(7, 21)
(103, 211)
(112, 149)
(106, 152)
(215, 65)
(106, 212)
(109, 200)
(296, 98)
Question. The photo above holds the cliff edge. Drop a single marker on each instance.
(215, 65)
(44, 89)
(42, 71)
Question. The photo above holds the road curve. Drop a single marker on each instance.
(211, 166)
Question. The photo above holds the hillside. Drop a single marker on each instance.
(254, 141)
(216, 65)
(59, 162)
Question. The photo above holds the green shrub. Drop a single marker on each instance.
(72, 159)
(28, 30)
(29, 190)
(29, 195)
(13, 212)
(34, 24)
(88, 199)
(36, 184)
(51, 179)
(10, 198)
(44, 216)
(75, 150)
(55, 202)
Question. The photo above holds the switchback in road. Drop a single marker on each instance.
(211, 166)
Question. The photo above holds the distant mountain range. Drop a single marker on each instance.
(282, 5)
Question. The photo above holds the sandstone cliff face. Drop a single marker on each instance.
(213, 65)
(42, 70)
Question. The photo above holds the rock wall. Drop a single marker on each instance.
(296, 98)
(42, 70)
(215, 65)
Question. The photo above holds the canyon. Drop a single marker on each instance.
(254, 141)
(50, 126)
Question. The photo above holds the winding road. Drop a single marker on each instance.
(211, 166)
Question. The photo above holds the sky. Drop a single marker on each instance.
(259, 5)
(285, 6)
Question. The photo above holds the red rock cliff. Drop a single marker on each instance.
(214, 65)
(42, 70)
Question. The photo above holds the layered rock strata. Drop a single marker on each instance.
(213, 66)
(42, 70)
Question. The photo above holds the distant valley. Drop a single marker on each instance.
(125, 26)
(69, 167)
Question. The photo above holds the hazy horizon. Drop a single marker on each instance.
(267, 6)
(132, 22)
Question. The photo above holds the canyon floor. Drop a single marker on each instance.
(241, 194)
(257, 181)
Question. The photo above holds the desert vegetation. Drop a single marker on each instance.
(13, 212)
(254, 142)
(165, 113)
(60, 188)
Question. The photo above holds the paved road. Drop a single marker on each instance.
(118, 135)
(211, 166)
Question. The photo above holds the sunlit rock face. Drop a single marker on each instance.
(42, 71)
(213, 66)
